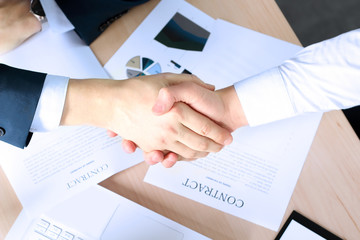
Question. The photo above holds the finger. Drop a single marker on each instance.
(128, 146)
(153, 157)
(213, 137)
(169, 160)
(111, 133)
(185, 152)
(180, 78)
(197, 142)
(187, 92)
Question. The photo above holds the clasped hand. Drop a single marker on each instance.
(125, 108)
(222, 106)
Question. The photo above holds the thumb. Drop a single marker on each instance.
(187, 92)
(164, 101)
(175, 79)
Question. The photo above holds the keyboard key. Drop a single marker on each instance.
(43, 223)
(36, 236)
(40, 229)
(66, 236)
(51, 235)
(49, 230)
(55, 229)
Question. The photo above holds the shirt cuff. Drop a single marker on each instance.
(264, 98)
(51, 103)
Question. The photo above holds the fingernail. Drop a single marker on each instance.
(228, 141)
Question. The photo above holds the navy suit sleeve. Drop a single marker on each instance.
(20, 91)
(91, 17)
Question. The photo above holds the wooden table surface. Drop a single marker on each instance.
(328, 190)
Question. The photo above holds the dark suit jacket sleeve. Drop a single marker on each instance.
(20, 91)
(91, 17)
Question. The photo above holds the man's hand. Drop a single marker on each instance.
(17, 23)
(223, 106)
(125, 108)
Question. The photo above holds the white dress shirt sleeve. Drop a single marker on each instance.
(322, 77)
(51, 103)
(52, 99)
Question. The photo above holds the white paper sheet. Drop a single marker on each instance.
(56, 54)
(254, 177)
(92, 213)
(58, 164)
(141, 43)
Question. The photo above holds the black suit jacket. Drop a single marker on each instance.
(20, 90)
(91, 17)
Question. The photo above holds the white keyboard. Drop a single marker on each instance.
(45, 229)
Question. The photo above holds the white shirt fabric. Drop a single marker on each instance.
(51, 103)
(322, 77)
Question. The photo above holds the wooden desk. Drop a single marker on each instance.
(328, 190)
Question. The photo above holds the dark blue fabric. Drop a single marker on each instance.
(19, 95)
(88, 16)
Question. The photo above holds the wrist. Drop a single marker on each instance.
(86, 101)
(234, 114)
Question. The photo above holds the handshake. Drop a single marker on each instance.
(170, 117)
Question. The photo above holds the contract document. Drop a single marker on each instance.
(255, 176)
(58, 164)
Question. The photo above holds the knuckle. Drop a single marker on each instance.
(170, 130)
(180, 134)
(205, 129)
(163, 141)
(160, 141)
(203, 145)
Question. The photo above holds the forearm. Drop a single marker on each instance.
(325, 76)
(321, 77)
(86, 101)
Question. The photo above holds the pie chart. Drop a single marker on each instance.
(140, 66)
